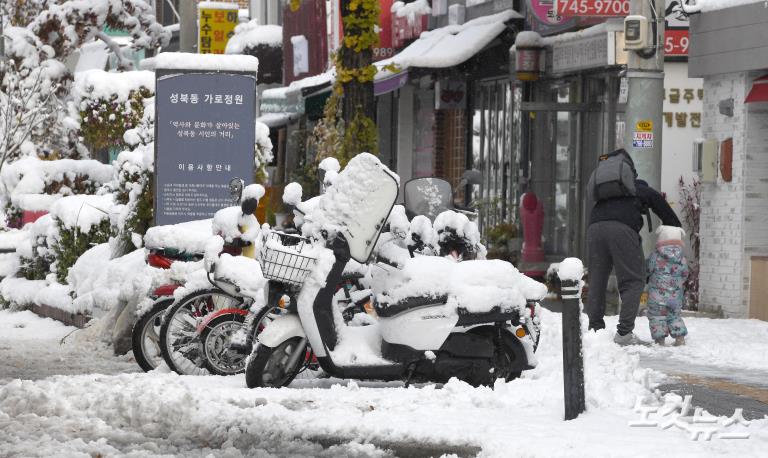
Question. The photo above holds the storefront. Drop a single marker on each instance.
(569, 115)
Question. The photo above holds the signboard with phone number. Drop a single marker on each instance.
(676, 42)
(598, 8)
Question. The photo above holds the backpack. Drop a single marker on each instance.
(614, 177)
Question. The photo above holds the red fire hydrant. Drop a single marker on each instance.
(532, 218)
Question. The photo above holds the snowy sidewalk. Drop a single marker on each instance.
(161, 414)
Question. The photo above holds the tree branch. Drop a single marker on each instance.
(123, 62)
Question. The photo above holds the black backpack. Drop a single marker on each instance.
(613, 177)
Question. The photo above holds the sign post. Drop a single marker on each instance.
(205, 136)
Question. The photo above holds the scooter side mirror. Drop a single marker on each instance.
(472, 177)
(236, 186)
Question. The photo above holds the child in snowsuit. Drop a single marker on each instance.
(667, 270)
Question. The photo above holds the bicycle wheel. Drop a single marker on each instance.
(146, 335)
(180, 335)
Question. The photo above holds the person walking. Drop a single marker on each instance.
(614, 242)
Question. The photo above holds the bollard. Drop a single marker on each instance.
(573, 361)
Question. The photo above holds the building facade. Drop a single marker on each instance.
(734, 215)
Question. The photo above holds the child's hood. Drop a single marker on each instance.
(670, 251)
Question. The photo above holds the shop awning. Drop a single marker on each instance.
(451, 45)
(759, 91)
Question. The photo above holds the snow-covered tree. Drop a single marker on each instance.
(36, 54)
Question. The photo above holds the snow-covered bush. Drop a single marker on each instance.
(81, 222)
(104, 105)
(34, 185)
(263, 152)
(35, 255)
(251, 37)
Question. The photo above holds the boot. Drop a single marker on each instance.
(679, 341)
(659, 341)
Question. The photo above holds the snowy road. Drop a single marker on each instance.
(115, 413)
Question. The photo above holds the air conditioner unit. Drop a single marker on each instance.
(705, 154)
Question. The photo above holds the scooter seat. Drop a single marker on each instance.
(388, 310)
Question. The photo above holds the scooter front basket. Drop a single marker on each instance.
(284, 258)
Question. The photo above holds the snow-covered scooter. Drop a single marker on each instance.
(477, 332)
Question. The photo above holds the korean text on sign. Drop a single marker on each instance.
(216, 28)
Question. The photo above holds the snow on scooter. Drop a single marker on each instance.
(437, 318)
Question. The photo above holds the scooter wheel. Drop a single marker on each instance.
(146, 335)
(267, 367)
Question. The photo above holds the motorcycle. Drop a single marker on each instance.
(422, 337)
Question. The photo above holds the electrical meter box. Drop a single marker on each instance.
(636, 35)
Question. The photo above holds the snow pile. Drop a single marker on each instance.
(458, 223)
(528, 39)
(477, 286)
(253, 191)
(292, 194)
(571, 269)
(115, 87)
(143, 414)
(411, 10)
(209, 62)
(229, 221)
(399, 225)
(25, 181)
(189, 237)
(251, 35)
(451, 45)
(243, 272)
(82, 211)
(421, 228)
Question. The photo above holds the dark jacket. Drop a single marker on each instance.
(629, 210)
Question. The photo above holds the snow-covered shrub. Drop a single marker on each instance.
(690, 200)
(263, 152)
(34, 185)
(35, 254)
(81, 222)
(104, 105)
(135, 174)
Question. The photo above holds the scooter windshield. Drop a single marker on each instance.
(359, 203)
(428, 197)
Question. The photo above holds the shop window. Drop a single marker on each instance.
(495, 151)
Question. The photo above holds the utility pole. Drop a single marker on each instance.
(188, 26)
(644, 112)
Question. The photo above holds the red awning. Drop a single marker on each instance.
(759, 92)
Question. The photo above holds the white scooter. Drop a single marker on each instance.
(422, 338)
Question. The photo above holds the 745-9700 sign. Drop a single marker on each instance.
(592, 7)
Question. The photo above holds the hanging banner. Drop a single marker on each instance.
(205, 127)
(216, 22)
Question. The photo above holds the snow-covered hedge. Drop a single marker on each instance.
(250, 36)
(104, 105)
(58, 239)
(34, 185)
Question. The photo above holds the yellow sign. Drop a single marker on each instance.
(217, 25)
(644, 125)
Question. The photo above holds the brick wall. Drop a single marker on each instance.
(723, 207)
(756, 189)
